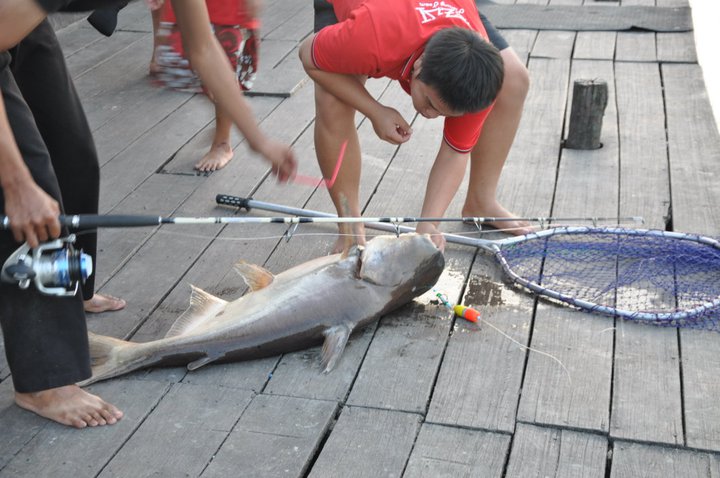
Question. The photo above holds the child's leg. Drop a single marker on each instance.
(493, 147)
(153, 68)
(335, 124)
(221, 151)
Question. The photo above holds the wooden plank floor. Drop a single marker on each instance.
(419, 394)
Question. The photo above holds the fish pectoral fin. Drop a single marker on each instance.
(335, 340)
(254, 276)
(202, 361)
(202, 307)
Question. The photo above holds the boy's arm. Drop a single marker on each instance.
(388, 123)
(211, 63)
(445, 178)
(32, 212)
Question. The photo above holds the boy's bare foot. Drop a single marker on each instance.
(70, 405)
(516, 228)
(219, 155)
(103, 303)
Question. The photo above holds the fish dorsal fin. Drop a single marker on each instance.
(202, 307)
(254, 276)
(335, 340)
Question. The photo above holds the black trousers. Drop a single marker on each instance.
(45, 337)
(40, 72)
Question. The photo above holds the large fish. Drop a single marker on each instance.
(323, 299)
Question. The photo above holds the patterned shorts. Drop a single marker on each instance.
(175, 71)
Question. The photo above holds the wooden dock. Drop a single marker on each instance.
(420, 394)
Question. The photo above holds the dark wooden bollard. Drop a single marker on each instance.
(590, 98)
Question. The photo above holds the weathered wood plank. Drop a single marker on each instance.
(646, 402)
(595, 46)
(694, 152)
(634, 460)
(275, 14)
(700, 359)
(295, 28)
(540, 451)
(644, 179)
(276, 436)
(146, 155)
(195, 432)
(366, 442)
(75, 38)
(676, 48)
(454, 452)
(553, 44)
(578, 393)
(57, 450)
(635, 46)
(481, 374)
(19, 426)
(101, 50)
(132, 124)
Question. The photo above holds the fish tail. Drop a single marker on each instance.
(108, 357)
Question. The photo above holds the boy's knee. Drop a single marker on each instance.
(516, 82)
(329, 107)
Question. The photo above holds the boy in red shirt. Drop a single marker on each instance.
(451, 61)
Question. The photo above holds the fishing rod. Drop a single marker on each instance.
(393, 226)
(94, 221)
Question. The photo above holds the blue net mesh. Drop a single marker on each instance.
(646, 276)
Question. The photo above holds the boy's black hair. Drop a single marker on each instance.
(465, 70)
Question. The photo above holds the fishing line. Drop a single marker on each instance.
(458, 311)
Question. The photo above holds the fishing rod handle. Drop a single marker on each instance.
(91, 221)
(237, 201)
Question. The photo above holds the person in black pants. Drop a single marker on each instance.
(41, 74)
(45, 336)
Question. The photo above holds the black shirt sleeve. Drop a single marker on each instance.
(52, 6)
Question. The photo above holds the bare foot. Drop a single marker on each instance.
(219, 155)
(516, 228)
(153, 68)
(349, 234)
(103, 303)
(70, 405)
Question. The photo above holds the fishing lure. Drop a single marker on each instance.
(467, 313)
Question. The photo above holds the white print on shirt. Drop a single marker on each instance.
(430, 11)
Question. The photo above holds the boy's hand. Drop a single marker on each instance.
(282, 158)
(435, 235)
(390, 126)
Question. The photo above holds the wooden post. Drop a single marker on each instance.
(590, 98)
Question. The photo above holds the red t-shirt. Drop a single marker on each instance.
(383, 38)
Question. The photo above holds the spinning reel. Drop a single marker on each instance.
(56, 267)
